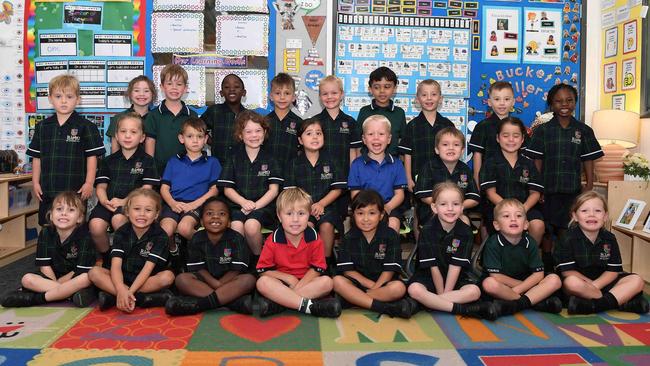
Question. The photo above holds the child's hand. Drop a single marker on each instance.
(248, 206)
(118, 202)
(317, 210)
(291, 281)
(177, 206)
(38, 191)
(124, 299)
(410, 183)
(86, 191)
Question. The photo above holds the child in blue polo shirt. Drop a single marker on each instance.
(188, 181)
(378, 170)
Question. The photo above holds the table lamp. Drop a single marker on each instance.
(616, 131)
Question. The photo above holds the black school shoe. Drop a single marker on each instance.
(84, 297)
(552, 305)
(268, 307)
(326, 308)
(105, 300)
(578, 305)
(19, 299)
(242, 305)
(480, 310)
(506, 307)
(403, 308)
(638, 304)
(182, 305)
(154, 299)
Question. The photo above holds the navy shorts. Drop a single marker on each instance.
(556, 209)
(330, 215)
(101, 212)
(266, 216)
(427, 281)
(168, 213)
(43, 208)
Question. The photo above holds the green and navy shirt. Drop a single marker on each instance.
(151, 247)
(484, 137)
(419, 140)
(124, 175)
(518, 260)
(435, 172)
(575, 252)
(76, 254)
(163, 126)
(316, 180)
(510, 182)
(341, 135)
(220, 120)
(397, 119)
(440, 248)
(230, 253)
(282, 142)
(382, 254)
(63, 150)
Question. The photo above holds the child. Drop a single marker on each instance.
(163, 124)
(377, 169)
(513, 266)
(220, 118)
(441, 280)
(251, 180)
(141, 92)
(138, 274)
(509, 174)
(483, 142)
(120, 173)
(292, 262)
(188, 181)
(383, 85)
(445, 166)
(562, 148)
(64, 148)
(321, 177)
(282, 142)
(419, 141)
(369, 261)
(64, 254)
(589, 260)
(342, 137)
(218, 262)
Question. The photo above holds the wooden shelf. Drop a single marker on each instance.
(16, 222)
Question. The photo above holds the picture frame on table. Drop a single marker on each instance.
(630, 214)
(646, 226)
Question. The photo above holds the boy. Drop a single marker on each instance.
(163, 124)
(282, 142)
(188, 181)
(514, 269)
(292, 262)
(382, 85)
(419, 141)
(220, 118)
(64, 148)
(445, 166)
(483, 142)
(377, 169)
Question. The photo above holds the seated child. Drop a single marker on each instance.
(293, 261)
(120, 173)
(188, 181)
(589, 261)
(138, 273)
(369, 261)
(378, 170)
(516, 272)
(441, 281)
(446, 166)
(218, 264)
(251, 180)
(64, 254)
(509, 174)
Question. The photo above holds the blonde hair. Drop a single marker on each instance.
(428, 82)
(171, 72)
(330, 79)
(63, 82)
(71, 199)
(453, 131)
(584, 197)
(129, 115)
(146, 192)
(507, 202)
(446, 186)
(291, 197)
(373, 118)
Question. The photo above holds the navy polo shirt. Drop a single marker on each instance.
(384, 177)
(188, 180)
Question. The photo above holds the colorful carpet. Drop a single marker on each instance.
(76, 337)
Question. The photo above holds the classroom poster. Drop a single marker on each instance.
(501, 34)
(542, 36)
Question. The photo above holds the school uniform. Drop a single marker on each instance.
(484, 137)
(278, 254)
(136, 252)
(382, 254)
(341, 135)
(563, 150)
(419, 140)
(282, 142)
(122, 176)
(395, 115)
(251, 179)
(75, 254)
(440, 248)
(518, 260)
(220, 120)
(63, 150)
(163, 126)
(230, 253)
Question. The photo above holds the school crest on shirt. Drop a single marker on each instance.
(73, 253)
(606, 253)
(381, 253)
(344, 128)
(137, 168)
(227, 256)
(577, 137)
(264, 171)
(292, 128)
(453, 248)
(525, 176)
(326, 174)
(462, 181)
(73, 136)
(144, 252)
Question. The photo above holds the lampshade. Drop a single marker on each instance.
(613, 126)
(644, 137)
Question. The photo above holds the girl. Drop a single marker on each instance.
(369, 261)
(138, 274)
(64, 254)
(441, 279)
(141, 92)
(251, 180)
(509, 174)
(320, 176)
(590, 263)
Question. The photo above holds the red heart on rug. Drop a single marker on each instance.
(258, 331)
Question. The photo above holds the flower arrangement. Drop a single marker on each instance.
(636, 165)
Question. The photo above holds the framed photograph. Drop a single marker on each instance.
(630, 214)
(646, 226)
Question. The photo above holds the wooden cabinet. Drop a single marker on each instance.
(18, 217)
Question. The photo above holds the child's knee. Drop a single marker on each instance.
(169, 226)
(340, 282)
(397, 288)
(417, 291)
(28, 280)
(166, 278)
(118, 220)
(97, 227)
(263, 283)
(186, 228)
(553, 281)
(473, 291)
(573, 283)
(247, 281)
(490, 285)
(181, 281)
(252, 226)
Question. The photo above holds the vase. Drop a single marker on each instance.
(632, 178)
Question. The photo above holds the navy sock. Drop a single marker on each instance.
(378, 306)
(524, 302)
(209, 302)
(607, 302)
(39, 298)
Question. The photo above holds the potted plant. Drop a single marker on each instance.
(636, 167)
